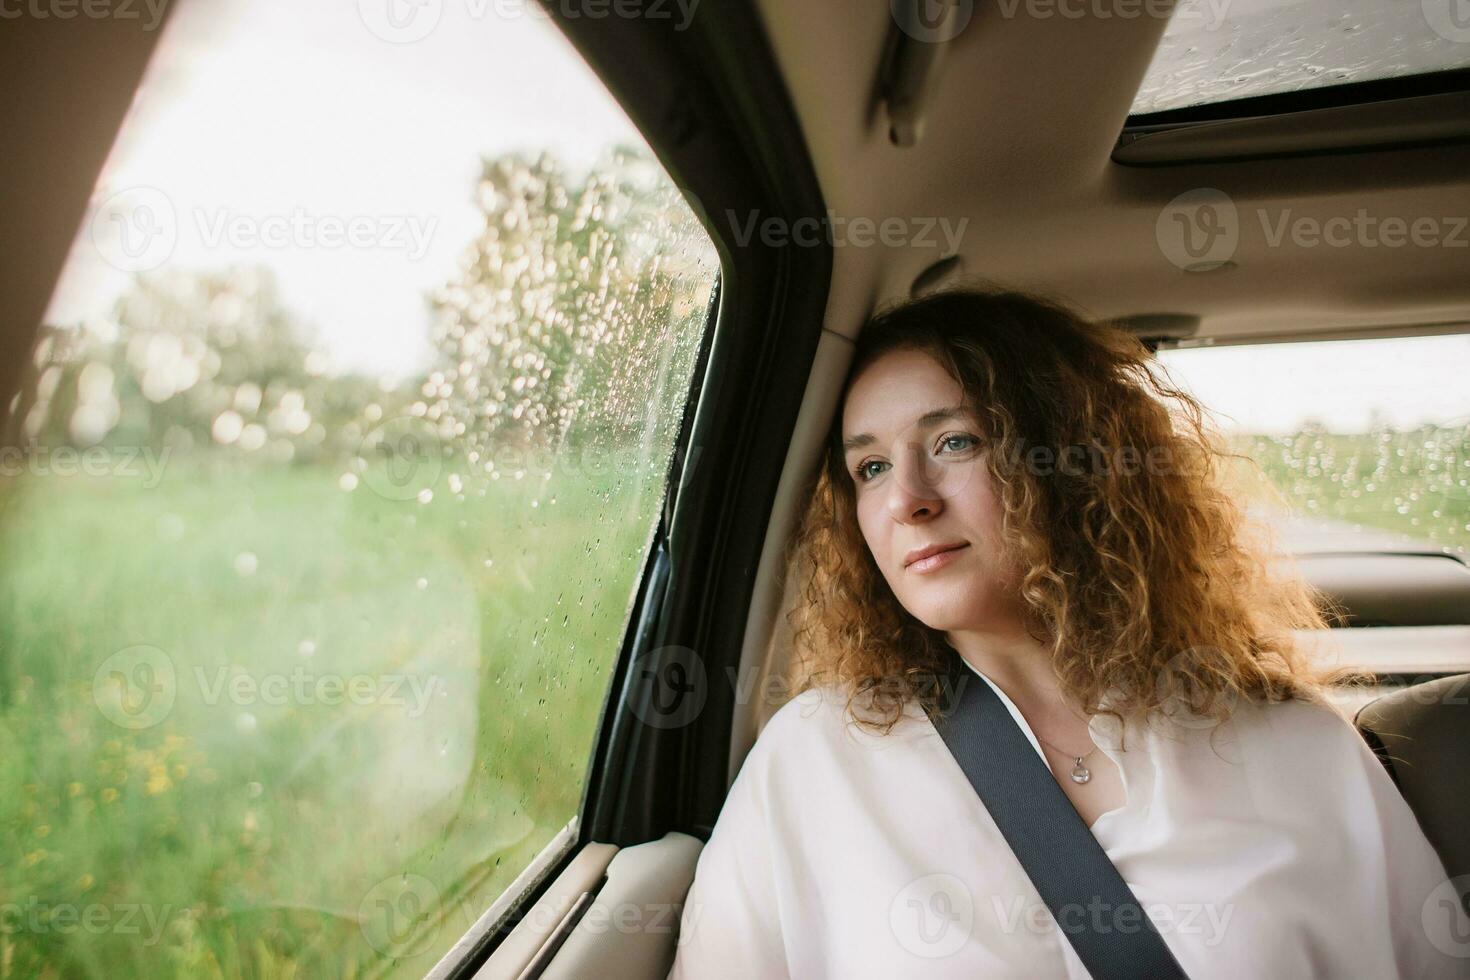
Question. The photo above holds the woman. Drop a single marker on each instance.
(1012, 485)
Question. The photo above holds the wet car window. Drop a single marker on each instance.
(328, 495)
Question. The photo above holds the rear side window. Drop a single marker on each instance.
(1357, 445)
(327, 498)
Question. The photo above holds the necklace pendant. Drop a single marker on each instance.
(1080, 773)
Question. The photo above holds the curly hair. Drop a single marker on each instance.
(1138, 567)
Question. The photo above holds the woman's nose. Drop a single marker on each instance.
(914, 494)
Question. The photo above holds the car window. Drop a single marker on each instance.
(1216, 50)
(1354, 445)
(326, 500)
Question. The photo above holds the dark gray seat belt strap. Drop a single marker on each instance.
(1088, 898)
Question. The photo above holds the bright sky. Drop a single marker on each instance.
(259, 113)
(1275, 387)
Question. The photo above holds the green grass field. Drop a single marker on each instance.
(1415, 483)
(300, 829)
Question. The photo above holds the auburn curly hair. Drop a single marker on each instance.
(1148, 577)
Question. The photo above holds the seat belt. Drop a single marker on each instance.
(1069, 868)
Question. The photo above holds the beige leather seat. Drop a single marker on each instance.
(1422, 734)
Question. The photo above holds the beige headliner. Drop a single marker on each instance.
(1020, 133)
(1022, 124)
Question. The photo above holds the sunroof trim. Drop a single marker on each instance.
(1304, 100)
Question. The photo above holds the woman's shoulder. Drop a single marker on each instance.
(1298, 739)
(1303, 720)
(828, 720)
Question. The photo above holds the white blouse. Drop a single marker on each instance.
(1284, 851)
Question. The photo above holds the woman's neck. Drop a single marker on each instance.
(1014, 660)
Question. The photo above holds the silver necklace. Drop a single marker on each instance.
(1080, 773)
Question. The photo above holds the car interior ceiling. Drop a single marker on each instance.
(1020, 138)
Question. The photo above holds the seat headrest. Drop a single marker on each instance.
(1422, 734)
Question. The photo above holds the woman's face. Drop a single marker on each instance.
(919, 471)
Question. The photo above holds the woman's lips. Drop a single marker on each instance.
(937, 560)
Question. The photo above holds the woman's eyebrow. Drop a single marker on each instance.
(922, 422)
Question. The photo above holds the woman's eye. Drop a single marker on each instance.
(863, 471)
(967, 441)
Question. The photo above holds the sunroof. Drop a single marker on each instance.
(1218, 50)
